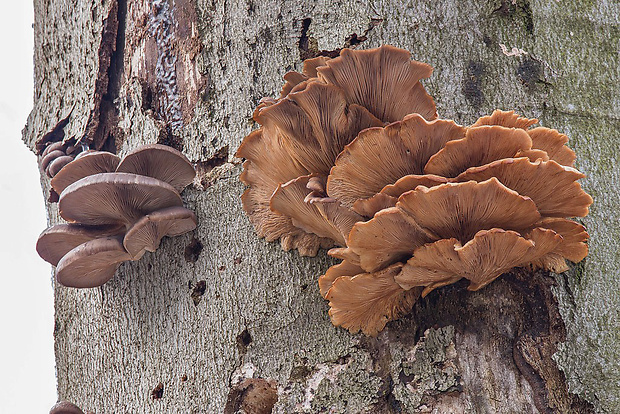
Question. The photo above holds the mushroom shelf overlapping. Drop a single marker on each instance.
(116, 211)
(352, 157)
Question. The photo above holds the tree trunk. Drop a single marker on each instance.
(183, 329)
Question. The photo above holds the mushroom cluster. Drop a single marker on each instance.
(353, 155)
(116, 211)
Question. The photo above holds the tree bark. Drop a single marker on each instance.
(185, 328)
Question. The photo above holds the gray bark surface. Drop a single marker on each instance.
(181, 329)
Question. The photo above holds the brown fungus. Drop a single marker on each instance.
(319, 112)
(115, 216)
(352, 154)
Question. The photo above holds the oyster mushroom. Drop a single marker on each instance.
(113, 198)
(58, 240)
(85, 164)
(146, 233)
(92, 263)
(161, 162)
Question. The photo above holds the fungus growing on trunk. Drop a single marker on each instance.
(317, 114)
(352, 154)
(115, 215)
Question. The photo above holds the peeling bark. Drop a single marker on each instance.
(220, 321)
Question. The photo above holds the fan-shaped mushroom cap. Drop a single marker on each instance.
(57, 240)
(315, 125)
(110, 198)
(368, 301)
(552, 187)
(49, 157)
(390, 236)
(92, 162)
(572, 247)
(385, 81)
(345, 268)
(318, 215)
(553, 143)
(52, 147)
(65, 407)
(459, 210)
(92, 263)
(146, 233)
(545, 139)
(57, 164)
(381, 156)
(161, 162)
(506, 119)
(388, 196)
(301, 134)
(480, 146)
(481, 260)
(295, 78)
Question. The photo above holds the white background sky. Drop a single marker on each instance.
(27, 377)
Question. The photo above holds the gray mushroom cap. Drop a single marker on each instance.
(147, 232)
(92, 263)
(58, 240)
(65, 407)
(110, 198)
(161, 162)
(58, 164)
(85, 164)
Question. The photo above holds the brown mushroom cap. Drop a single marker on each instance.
(322, 216)
(459, 210)
(92, 263)
(92, 162)
(146, 233)
(58, 240)
(384, 80)
(389, 237)
(57, 164)
(368, 301)
(301, 134)
(65, 407)
(161, 162)
(49, 157)
(345, 268)
(110, 198)
(480, 146)
(552, 187)
(381, 156)
(481, 260)
(545, 139)
(388, 196)
(295, 78)
(506, 119)
(553, 143)
(52, 147)
(572, 247)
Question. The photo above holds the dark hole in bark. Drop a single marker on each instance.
(158, 391)
(244, 339)
(198, 291)
(193, 250)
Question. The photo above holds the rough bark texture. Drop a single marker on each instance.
(184, 329)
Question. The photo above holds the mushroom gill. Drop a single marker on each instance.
(352, 154)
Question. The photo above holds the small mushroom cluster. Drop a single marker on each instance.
(116, 211)
(353, 155)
